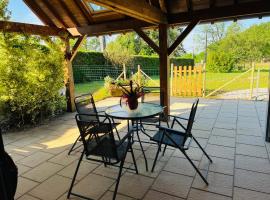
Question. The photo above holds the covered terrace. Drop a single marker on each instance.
(233, 132)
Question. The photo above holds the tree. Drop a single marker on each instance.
(138, 47)
(118, 54)
(4, 12)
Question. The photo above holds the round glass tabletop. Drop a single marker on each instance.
(144, 110)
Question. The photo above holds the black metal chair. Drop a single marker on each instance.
(179, 139)
(85, 104)
(104, 148)
(154, 120)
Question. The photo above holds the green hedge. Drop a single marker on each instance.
(92, 66)
(97, 58)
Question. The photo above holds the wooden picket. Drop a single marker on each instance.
(187, 81)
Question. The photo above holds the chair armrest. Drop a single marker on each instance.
(170, 130)
(174, 116)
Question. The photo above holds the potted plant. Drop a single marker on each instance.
(131, 95)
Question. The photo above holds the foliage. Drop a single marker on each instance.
(31, 75)
(251, 45)
(139, 47)
(118, 54)
(4, 13)
(139, 79)
(89, 58)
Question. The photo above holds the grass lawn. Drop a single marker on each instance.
(213, 81)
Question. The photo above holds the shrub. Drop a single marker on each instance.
(221, 62)
(31, 75)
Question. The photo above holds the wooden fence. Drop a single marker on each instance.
(187, 81)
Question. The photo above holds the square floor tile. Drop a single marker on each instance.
(158, 195)
(251, 150)
(223, 141)
(64, 159)
(220, 165)
(252, 180)
(109, 195)
(27, 197)
(252, 163)
(43, 171)
(252, 140)
(218, 183)
(193, 153)
(35, 159)
(85, 168)
(52, 188)
(224, 132)
(242, 194)
(220, 151)
(24, 185)
(134, 185)
(174, 184)
(181, 166)
(203, 195)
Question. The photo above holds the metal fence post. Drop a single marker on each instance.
(258, 82)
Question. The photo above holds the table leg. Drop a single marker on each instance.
(137, 132)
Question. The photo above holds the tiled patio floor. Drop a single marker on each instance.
(230, 130)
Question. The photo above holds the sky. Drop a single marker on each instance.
(21, 13)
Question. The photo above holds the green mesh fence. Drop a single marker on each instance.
(88, 73)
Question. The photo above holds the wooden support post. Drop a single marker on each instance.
(70, 94)
(164, 68)
(124, 71)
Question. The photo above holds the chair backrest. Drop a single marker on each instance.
(96, 141)
(85, 104)
(192, 116)
(150, 90)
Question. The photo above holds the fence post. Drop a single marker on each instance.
(252, 81)
(204, 78)
(139, 74)
(171, 80)
(258, 82)
(124, 70)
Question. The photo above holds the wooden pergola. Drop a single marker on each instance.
(81, 18)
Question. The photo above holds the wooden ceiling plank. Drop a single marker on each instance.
(138, 9)
(69, 13)
(54, 12)
(212, 3)
(16, 27)
(39, 12)
(189, 5)
(84, 10)
(148, 40)
(182, 36)
(249, 9)
(162, 5)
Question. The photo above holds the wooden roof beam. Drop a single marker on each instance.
(182, 36)
(76, 47)
(138, 9)
(222, 13)
(108, 28)
(39, 12)
(15, 27)
(147, 39)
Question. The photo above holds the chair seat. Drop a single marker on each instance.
(106, 148)
(177, 138)
(152, 120)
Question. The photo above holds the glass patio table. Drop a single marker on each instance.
(144, 110)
